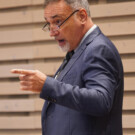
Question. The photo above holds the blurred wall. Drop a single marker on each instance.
(23, 44)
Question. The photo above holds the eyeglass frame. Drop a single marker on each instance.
(58, 26)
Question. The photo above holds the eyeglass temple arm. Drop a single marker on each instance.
(68, 18)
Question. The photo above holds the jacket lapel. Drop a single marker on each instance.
(69, 65)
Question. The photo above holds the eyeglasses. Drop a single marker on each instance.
(57, 24)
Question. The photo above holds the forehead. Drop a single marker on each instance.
(56, 9)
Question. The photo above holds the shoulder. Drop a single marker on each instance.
(102, 46)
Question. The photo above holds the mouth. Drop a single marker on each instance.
(61, 42)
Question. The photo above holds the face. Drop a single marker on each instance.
(69, 35)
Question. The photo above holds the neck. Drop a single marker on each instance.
(88, 25)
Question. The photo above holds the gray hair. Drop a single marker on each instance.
(74, 4)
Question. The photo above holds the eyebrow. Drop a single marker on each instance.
(55, 16)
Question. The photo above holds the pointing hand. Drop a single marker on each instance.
(30, 80)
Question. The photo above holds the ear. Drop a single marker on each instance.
(82, 15)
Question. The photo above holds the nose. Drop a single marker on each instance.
(54, 33)
(54, 30)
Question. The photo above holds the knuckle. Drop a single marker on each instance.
(31, 78)
(20, 77)
(31, 87)
(31, 83)
(37, 71)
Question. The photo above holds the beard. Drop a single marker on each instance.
(65, 48)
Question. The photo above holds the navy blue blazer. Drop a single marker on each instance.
(86, 98)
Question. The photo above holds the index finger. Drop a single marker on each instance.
(22, 71)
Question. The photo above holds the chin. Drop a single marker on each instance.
(65, 48)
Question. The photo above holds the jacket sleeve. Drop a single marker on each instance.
(100, 77)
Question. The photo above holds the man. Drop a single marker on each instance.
(85, 96)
